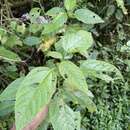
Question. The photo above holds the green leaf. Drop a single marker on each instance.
(70, 4)
(55, 54)
(3, 35)
(121, 4)
(55, 24)
(77, 121)
(128, 63)
(128, 43)
(81, 98)
(34, 14)
(97, 68)
(35, 27)
(21, 28)
(110, 11)
(44, 125)
(12, 41)
(8, 55)
(3, 32)
(63, 117)
(126, 48)
(85, 101)
(73, 76)
(10, 92)
(79, 41)
(87, 16)
(13, 25)
(53, 12)
(34, 93)
(6, 107)
(31, 41)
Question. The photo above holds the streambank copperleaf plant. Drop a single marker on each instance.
(61, 82)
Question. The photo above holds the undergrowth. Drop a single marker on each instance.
(81, 50)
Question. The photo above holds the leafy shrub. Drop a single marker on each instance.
(63, 82)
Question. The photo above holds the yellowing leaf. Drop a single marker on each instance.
(47, 44)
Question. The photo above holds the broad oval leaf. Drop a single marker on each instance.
(53, 12)
(97, 68)
(35, 92)
(87, 16)
(77, 42)
(55, 24)
(63, 117)
(10, 92)
(8, 55)
(31, 41)
(73, 76)
(70, 4)
(81, 98)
